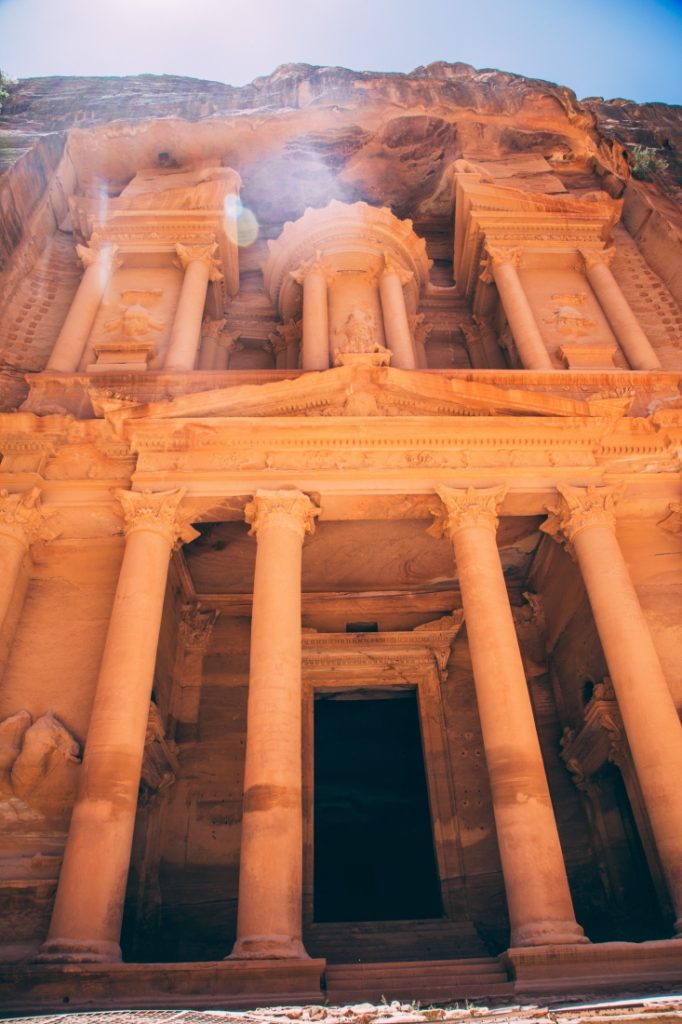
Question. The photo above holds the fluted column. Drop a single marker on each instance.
(271, 866)
(585, 519)
(200, 266)
(538, 897)
(625, 325)
(88, 909)
(501, 267)
(396, 324)
(314, 276)
(72, 339)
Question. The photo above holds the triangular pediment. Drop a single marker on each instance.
(360, 391)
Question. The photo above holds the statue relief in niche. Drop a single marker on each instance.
(567, 318)
(357, 341)
(130, 330)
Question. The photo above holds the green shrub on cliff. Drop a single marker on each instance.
(4, 90)
(645, 161)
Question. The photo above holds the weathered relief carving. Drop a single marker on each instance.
(38, 760)
(358, 337)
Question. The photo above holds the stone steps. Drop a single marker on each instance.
(423, 981)
(383, 941)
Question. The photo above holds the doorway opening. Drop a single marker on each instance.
(374, 856)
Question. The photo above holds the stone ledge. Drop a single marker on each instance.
(602, 967)
(31, 988)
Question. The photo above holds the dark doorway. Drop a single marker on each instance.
(374, 855)
(635, 912)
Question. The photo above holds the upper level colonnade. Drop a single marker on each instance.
(161, 276)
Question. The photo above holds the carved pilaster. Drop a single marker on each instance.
(420, 330)
(196, 626)
(156, 511)
(580, 507)
(24, 519)
(291, 510)
(462, 509)
(187, 254)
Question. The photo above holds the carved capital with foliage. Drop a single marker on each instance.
(391, 268)
(592, 258)
(103, 255)
(24, 519)
(157, 511)
(462, 509)
(498, 256)
(580, 507)
(289, 510)
(316, 265)
(187, 254)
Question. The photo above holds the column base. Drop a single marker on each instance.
(79, 951)
(548, 933)
(268, 947)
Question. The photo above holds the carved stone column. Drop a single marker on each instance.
(22, 521)
(314, 276)
(501, 266)
(585, 519)
(626, 327)
(271, 866)
(538, 897)
(86, 920)
(396, 325)
(71, 341)
(200, 266)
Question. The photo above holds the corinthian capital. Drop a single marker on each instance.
(497, 256)
(24, 519)
(104, 255)
(157, 511)
(291, 510)
(199, 254)
(316, 265)
(579, 508)
(463, 509)
(196, 626)
(596, 258)
(394, 268)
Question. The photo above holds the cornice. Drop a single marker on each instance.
(403, 655)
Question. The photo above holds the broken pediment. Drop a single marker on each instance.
(545, 228)
(360, 390)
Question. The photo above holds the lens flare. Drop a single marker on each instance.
(241, 225)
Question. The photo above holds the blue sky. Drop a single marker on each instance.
(596, 47)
